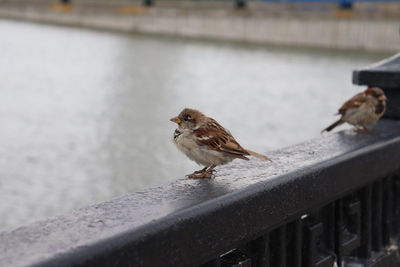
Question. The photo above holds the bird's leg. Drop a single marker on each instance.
(211, 169)
(202, 170)
(198, 174)
(207, 172)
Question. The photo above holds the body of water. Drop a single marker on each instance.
(85, 114)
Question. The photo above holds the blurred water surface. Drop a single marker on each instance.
(85, 114)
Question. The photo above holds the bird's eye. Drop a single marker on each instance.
(186, 118)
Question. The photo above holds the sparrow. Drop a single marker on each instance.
(362, 110)
(207, 143)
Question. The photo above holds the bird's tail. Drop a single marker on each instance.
(258, 155)
(333, 125)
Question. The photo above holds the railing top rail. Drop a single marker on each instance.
(184, 222)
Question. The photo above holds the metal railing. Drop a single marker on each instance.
(329, 201)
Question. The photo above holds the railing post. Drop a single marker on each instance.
(346, 4)
(240, 4)
(148, 3)
(386, 75)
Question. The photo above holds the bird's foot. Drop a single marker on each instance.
(204, 173)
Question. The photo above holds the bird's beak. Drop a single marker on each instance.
(382, 98)
(176, 120)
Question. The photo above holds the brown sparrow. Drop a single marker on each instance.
(206, 142)
(362, 110)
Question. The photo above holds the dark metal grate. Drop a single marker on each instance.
(359, 229)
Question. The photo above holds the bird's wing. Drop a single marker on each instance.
(354, 102)
(216, 137)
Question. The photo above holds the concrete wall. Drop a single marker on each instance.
(335, 33)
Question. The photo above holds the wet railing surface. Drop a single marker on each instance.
(332, 200)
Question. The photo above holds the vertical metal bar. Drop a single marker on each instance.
(338, 229)
(294, 247)
(262, 251)
(387, 210)
(278, 250)
(366, 222)
(328, 219)
(396, 204)
(377, 216)
(282, 246)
